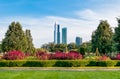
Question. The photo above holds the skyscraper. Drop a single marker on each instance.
(58, 34)
(64, 35)
(78, 41)
(55, 35)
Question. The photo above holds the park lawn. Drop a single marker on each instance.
(34, 74)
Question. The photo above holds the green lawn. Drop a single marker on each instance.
(33, 74)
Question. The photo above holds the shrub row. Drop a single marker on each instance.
(58, 63)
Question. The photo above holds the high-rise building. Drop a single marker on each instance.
(64, 35)
(78, 41)
(58, 34)
(55, 35)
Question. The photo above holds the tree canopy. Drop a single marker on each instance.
(15, 38)
(102, 38)
(117, 36)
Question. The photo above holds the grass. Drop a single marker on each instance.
(37, 74)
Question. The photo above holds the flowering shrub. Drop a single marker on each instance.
(66, 56)
(42, 55)
(118, 57)
(104, 57)
(91, 58)
(58, 56)
(14, 55)
(74, 56)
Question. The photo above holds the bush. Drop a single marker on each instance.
(30, 58)
(74, 56)
(63, 63)
(16, 63)
(66, 56)
(104, 57)
(118, 57)
(4, 63)
(117, 63)
(93, 63)
(106, 63)
(57, 63)
(42, 55)
(78, 63)
(59, 56)
(91, 58)
(14, 55)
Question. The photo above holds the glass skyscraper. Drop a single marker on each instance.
(78, 41)
(58, 34)
(64, 35)
(55, 35)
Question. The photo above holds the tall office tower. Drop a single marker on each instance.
(78, 41)
(58, 34)
(55, 35)
(64, 35)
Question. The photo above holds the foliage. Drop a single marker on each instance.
(100, 58)
(107, 63)
(58, 63)
(117, 36)
(118, 57)
(102, 38)
(31, 58)
(91, 57)
(0, 48)
(72, 47)
(14, 55)
(42, 55)
(82, 50)
(51, 47)
(66, 56)
(30, 47)
(15, 38)
(60, 47)
(104, 57)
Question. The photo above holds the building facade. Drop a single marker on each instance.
(55, 35)
(64, 35)
(78, 41)
(58, 34)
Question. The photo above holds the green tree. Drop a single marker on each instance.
(30, 46)
(60, 47)
(117, 36)
(0, 48)
(102, 38)
(72, 47)
(15, 38)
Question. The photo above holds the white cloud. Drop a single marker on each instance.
(42, 27)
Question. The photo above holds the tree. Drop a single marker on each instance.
(60, 47)
(102, 38)
(15, 38)
(0, 48)
(72, 47)
(117, 36)
(49, 47)
(30, 46)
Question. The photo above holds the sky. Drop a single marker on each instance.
(81, 17)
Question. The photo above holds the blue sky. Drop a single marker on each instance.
(81, 17)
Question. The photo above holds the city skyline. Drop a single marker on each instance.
(80, 16)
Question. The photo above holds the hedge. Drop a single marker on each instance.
(57, 63)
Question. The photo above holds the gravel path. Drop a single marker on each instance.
(64, 68)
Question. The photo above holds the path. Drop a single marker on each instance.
(64, 68)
